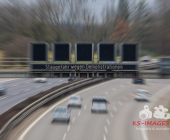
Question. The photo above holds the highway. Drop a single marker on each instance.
(20, 89)
(116, 125)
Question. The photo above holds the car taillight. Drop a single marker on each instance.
(92, 103)
(68, 100)
(79, 101)
(137, 94)
(106, 103)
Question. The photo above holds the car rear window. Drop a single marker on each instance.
(74, 98)
(142, 92)
(60, 110)
(99, 100)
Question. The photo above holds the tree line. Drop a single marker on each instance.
(72, 21)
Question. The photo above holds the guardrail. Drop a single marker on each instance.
(12, 62)
(149, 66)
(35, 105)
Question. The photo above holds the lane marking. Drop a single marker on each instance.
(131, 94)
(104, 138)
(125, 98)
(64, 136)
(113, 89)
(120, 103)
(73, 120)
(14, 85)
(15, 93)
(105, 129)
(108, 121)
(114, 108)
(122, 86)
(27, 82)
(37, 86)
(65, 99)
(106, 93)
(68, 128)
(49, 83)
(79, 113)
(26, 89)
(4, 97)
(85, 107)
(111, 114)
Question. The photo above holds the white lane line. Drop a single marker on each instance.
(14, 85)
(105, 129)
(113, 89)
(60, 80)
(4, 97)
(120, 103)
(122, 86)
(49, 83)
(37, 86)
(64, 136)
(111, 114)
(73, 120)
(104, 138)
(125, 98)
(45, 113)
(85, 107)
(108, 122)
(79, 113)
(114, 108)
(68, 128)
(26, 89)
(15, 93)
(131, 94)
(27, 82)
(106, 93)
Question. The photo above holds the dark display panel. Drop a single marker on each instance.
(84, 52)
(106, 52)
(129, 52)
(39, 51)
(61, 52)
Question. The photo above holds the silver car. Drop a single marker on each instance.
(99, 104)
(74, 101)
(40, 80)
(61, 114)
(2, 89)
(142, 95)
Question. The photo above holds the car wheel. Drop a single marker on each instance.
(80, 106)
(92, 111)
(68, 121)
(52, 121)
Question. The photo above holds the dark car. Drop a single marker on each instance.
(71, 79)
(138, 81)
(2, 89)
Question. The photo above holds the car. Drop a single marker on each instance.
(99, 104)
(2, 88)
(74, 101)
(142, 95)
(62, 114)
(71, 79)
(40, 80)
(146, 59)
(138, 81)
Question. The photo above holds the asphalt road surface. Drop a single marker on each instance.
(20, 89)
(116, 125)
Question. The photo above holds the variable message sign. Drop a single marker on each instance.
(106, 52)
(61, 51)
(38, 51)
(84, 52)
(129, 52)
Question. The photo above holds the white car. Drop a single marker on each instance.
(40, 80)
(142, 95)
